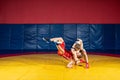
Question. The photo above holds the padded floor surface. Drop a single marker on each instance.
(53, 67)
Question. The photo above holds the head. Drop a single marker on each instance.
(78, 41)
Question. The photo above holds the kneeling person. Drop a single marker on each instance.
(77, 51)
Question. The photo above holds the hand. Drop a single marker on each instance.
(87, 65)
(82, 61)
(77, 62)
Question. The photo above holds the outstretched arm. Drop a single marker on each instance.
(86, 58)
(85, 55)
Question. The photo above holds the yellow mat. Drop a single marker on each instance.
(53, 67)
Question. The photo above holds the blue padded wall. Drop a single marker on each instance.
(83, 31)
(96, 37)
(30, 36)
(43, 30)
(16, 37)
(56, 30)
(5, 37)
(117, 37)
(109, 37)
(70, 34)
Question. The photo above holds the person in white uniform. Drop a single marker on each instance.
(79, 52)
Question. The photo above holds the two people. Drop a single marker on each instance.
(75, 55)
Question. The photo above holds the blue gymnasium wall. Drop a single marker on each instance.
(28, 37)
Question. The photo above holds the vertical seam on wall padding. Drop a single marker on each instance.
(10, 37)
(63, 32)
(115, 39)
(49, 35)
(36, 37)
(89, 35)
(103, 38)
(76, 31)
(23, 38)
